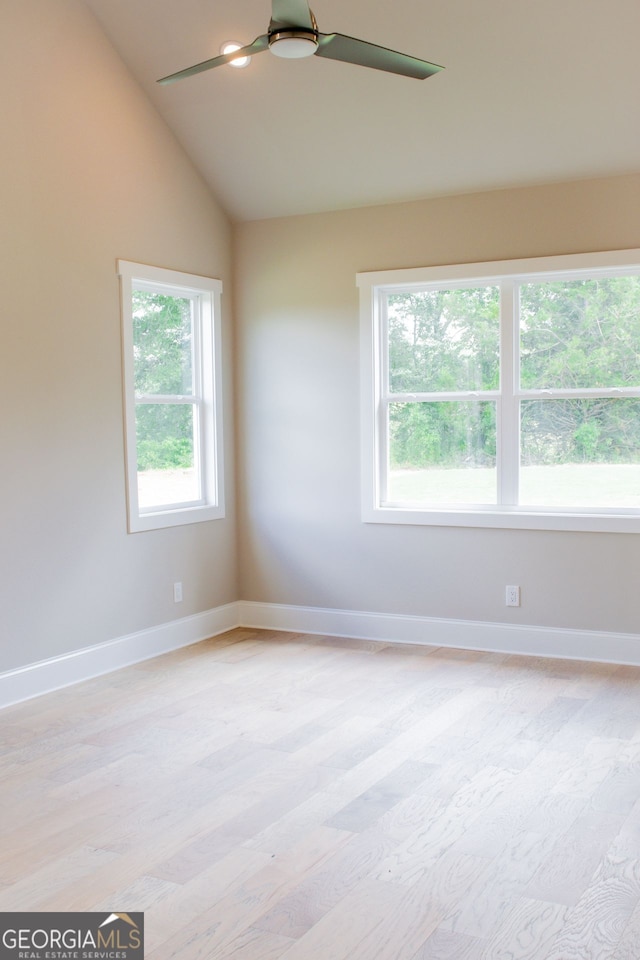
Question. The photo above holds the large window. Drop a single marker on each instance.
(171, 351)
(504, 394)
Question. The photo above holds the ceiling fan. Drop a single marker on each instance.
(293, 33)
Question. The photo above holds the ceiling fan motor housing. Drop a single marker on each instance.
(293, 44)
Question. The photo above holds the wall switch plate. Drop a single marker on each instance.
(177, 593)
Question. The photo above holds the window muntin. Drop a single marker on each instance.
(545, 352)
(171, 341)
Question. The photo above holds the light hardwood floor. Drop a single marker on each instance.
(268, 795)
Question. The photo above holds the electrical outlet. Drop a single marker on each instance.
(512, 598)
(177, 593)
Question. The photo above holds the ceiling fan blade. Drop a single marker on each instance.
(337, 46)
(291, 13)
(258, 45)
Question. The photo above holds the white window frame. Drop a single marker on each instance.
(205, 293)
(373, 288)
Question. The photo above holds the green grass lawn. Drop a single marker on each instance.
(575, 485)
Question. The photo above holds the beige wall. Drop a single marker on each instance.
(88, 173)
(302, 541)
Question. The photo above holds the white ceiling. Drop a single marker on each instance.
(534, 91)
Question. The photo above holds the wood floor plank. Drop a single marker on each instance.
(216, 932)
(445, 945)
(370, 806)
(404, 926)
(603, 912)
(353, 921)
(566, 873)
(274, 796)
(444, 825)
(37, 889)
(628, 947)
(527, 931)
(145, 891)
(297, 912)
(166, 918)
(192, 858)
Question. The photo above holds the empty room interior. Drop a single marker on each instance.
(319, 606)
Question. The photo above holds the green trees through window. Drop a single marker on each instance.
(439, 342)
(574, 375)
(580, 333)
(162, 351)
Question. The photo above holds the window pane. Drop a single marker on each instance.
(580, 333)
(580, 453)
(162, 344)
(443, 340)
(442, 453)
(166, 464)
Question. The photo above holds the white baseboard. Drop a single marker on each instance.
(623, 648)
(49, 675)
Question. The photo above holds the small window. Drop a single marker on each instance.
(504, 394)
(173, 423)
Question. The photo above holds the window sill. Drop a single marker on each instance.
(514, 519)
(174, 518)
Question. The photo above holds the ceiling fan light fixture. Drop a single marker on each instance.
(229, 47)
(293, 44)
(293, 35)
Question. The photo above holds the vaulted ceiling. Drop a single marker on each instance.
(534, 91)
